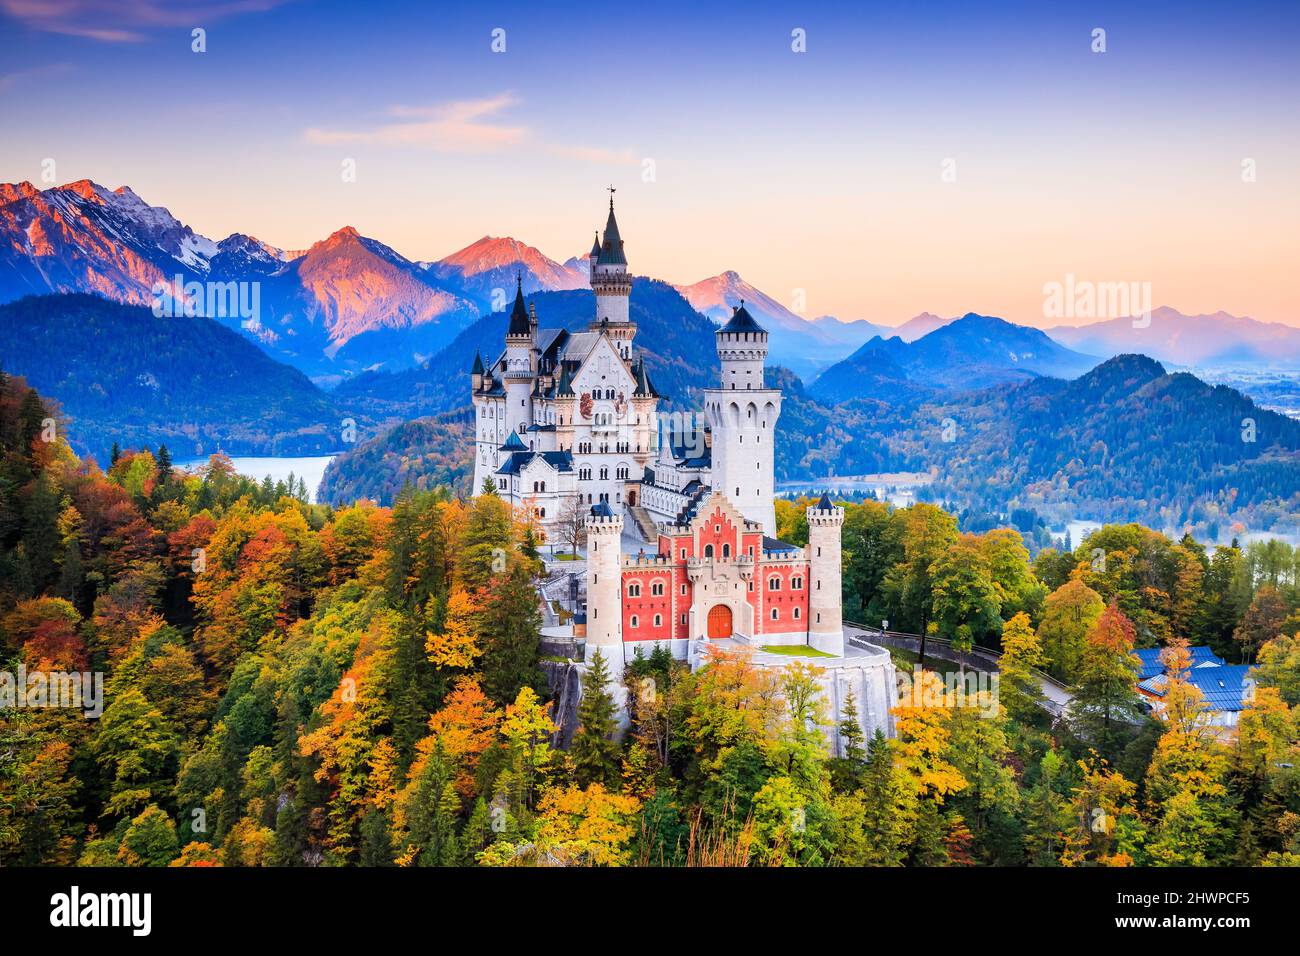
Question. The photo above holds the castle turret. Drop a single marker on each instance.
(825, 623)
(476, 372)
(742, 415)
(612, 285)
(605, 586)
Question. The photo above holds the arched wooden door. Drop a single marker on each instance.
(719, 622)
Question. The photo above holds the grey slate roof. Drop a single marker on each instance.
(611, 250)
(1150, 660)
(518, 461)
(772, 545)
(742, 321)
(1225, 687)
(519, 324)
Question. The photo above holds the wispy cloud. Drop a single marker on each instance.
(125, 21)
(464, 126)
(9, 81)
(461, 126)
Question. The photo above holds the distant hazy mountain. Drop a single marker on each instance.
(1218, 339)
(917, 327)
(804, 346)
(491, 264)
(123, 375)
(972, 352)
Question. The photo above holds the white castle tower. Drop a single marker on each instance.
(612, 285)
(742, 414)
(825, 624)
(605, 586)
(521, 336)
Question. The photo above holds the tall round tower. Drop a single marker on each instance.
(605, 586)
(742, 414)
(520, 338)
(825, 599)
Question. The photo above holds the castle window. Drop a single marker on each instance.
(683, 557)
(796, 584)
(683, 619)
(819, 617)
(776, 614)
(797, 614)
(657, 589)
(659, 619)
(634, 589)
(774, 584)
(683, 590)
(708, 550)
(633, 622)
(726, 550)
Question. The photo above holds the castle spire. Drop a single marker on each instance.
(611, 251)
(519, 324)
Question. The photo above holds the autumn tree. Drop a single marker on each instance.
(1022, 655)
(1069, 613)
(1261, 623)
(1105, 703)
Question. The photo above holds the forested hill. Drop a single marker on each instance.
(122, 374)
(677, 342)
(1127, 441)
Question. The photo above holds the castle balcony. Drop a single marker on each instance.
(697, 568)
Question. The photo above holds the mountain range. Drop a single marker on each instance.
(1189, 340)
(972, 352)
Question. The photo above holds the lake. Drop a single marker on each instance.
(309, 469)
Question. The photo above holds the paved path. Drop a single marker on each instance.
(1056, 696)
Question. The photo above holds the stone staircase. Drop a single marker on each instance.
(644, 523)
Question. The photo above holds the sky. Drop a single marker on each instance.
(941, 157)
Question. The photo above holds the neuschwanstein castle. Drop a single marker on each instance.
(681, 540)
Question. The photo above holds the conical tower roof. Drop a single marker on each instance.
(519, 324)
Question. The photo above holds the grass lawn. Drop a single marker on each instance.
(794, 650)
(565, 556)
(906, 661)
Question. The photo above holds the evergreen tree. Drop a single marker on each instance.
(431, 814)
(594, 752)
(164, 459)
(114, 455)
(376, 839)
(511, 633)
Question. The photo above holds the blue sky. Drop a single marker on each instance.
(818, 171)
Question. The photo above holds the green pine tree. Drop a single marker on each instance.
(594, 752)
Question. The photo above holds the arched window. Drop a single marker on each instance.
(659, 619)
(633, 621)
(774, 584)
(776, 614)
(796, 584)
(657, 589)
(726, 550)
(634, 589)
(797, 614)
(708, 550)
